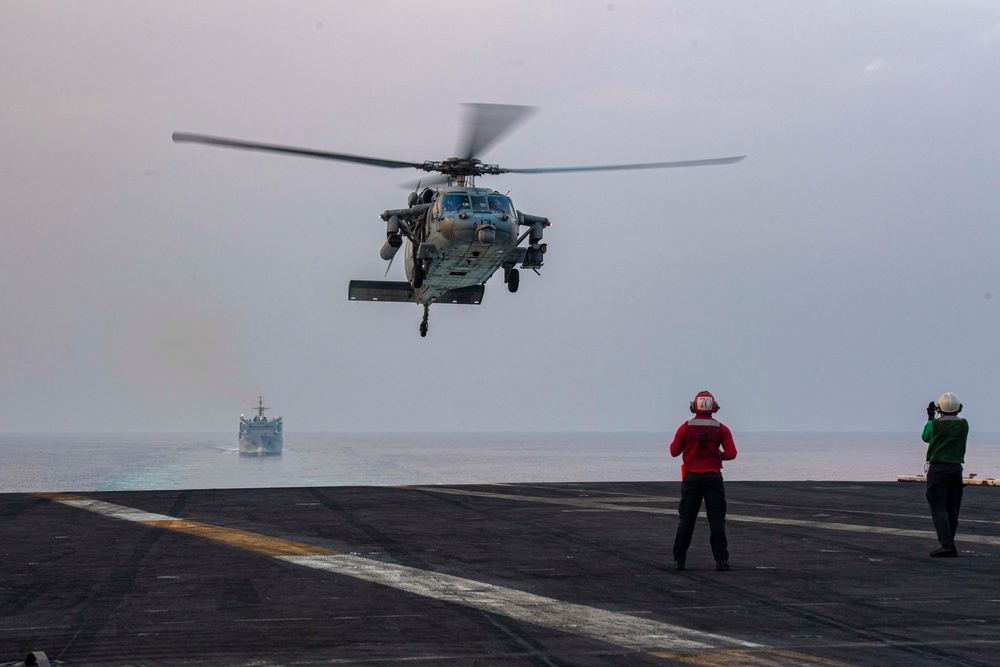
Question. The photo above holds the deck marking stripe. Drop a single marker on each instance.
(645, 498)
(622, 630)
(264, 544)
(611, 627)
(992, 540)
(749, 658)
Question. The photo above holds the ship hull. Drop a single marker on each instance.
(260, 444)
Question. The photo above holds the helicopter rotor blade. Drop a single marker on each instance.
(186, 137)
(486, 123)
(625, 167)
(432, 183)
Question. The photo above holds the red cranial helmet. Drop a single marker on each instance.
(704, 404)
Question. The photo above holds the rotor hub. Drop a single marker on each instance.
(455, 167)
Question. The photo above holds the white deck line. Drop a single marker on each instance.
(589, 503)
(612, 627)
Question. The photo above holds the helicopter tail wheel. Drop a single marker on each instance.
(513, 280)
(423, 323)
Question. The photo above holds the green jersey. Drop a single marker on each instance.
(945, 438)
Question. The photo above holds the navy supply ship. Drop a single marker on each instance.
(260, 435)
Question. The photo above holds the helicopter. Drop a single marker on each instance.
(457, 234)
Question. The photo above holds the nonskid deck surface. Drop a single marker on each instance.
(823, 574)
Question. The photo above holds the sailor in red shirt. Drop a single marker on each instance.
(705, 443)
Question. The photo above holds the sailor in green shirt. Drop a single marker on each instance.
(945, 437)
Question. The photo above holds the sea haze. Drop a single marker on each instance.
(105, 462)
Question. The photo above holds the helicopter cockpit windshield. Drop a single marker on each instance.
(479, 204)
(454, 202)
(495, 204)
(500, 204)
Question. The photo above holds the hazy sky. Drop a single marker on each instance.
(839, 278)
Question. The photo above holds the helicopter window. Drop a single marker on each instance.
(479, 204)
(454, 202)
(501, 204)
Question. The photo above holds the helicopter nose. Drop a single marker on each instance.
(487, 234)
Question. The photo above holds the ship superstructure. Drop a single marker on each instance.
(260, 435)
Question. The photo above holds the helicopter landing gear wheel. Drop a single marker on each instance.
(423, 323)
(513, 280)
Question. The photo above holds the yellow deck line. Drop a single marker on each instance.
(242, 539)
(58, 495)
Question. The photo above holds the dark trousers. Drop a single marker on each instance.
(695, 487)
(944, 493)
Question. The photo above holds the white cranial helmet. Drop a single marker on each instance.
(948, 403)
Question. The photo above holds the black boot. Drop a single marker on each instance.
(945, 552)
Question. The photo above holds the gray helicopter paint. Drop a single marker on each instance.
(452, 245)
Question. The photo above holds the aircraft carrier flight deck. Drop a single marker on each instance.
(824, 574)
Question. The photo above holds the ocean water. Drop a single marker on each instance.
(106, 462)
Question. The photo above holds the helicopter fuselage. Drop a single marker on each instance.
(467, 234)
(461, 237)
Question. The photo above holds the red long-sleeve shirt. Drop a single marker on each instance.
(705, 443)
